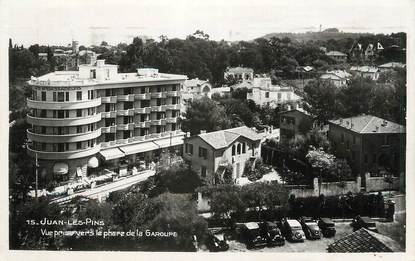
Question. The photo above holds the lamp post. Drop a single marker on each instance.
(37, 176)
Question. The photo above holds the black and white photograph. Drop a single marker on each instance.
(207, 126)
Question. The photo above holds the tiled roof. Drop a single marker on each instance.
(335, 53)
(392, 65)
(240, 70)
(364, 241)
(369, 124)
(223, 138)
(367, 69)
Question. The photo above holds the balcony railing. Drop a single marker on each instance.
(173, 94)
(158, 95)
(171, 120)
(129, 112)
(126, 97)
(158, 122)
(74, 137)
(127, 126)
(109, 99)
(145, 110)
(109, 114)
(55, 122)
(173, 106)
(53, 155)
(143, 124)
(109, 129)
(65, 105)
(142, 96)
(158, 108)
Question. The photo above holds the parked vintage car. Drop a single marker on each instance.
(250, 234)
(310, 228)
(292, 230)
(366, 222)
(272, 233)
(327, 227)
(216, 242)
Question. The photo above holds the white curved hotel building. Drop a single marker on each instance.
(83, 118)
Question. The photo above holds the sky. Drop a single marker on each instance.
(57, 22)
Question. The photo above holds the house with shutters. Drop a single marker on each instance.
(209, 153)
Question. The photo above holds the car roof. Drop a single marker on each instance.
(293, 222)
(327, 220)
(252, 225)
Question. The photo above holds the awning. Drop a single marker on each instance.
(139, 147)
(60, 168)
(93, 162)
(113, 153)
(165, 143)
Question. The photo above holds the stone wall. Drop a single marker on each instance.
(380, 183)
(326, 188)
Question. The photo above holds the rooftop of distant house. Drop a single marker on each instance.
(365, 68)
(195, 82)
(337, 73)
(362, 241)
(83, 77)
(392, 65)
(335, 53)
(223, 138)
(239, 70)
(368, 124)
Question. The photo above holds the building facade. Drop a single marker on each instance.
(240, 73)
(369, 72)
(264, 93)
(294, 122)
(208, 152)
(338, 78)
(369, 144)
(97, 116)
(337, 56)
(195, 89)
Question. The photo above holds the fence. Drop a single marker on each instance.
(326, 188)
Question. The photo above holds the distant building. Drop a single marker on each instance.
(240, 73)
(366, 72)
(338, 77)
(370, 144)
(69, 60)
(43, 56)
(293, 122)
(390, 66)
(195, 89)
(337, 56)
(221, 91)
(362, 52)
(364, 241)
(264, 93)
(209, 153)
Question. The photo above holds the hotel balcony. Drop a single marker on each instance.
(109, 99)
(109, 129)
(128, 126)
(145, 110)
(158, 95)
(171, 120)
(143, 124)
(63, 138)
(129, 112)
(135, 139)
(158, 108)
(173, 106)
(66, 105)
(54, 155)
(158, 122)
(56, 122)
(108, 144)
(173, 94)
(109, 114)
(126, 97)
(142, 96)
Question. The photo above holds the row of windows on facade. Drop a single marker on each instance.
(126, 134)
(42, 113)
(386, 140)
(143, 104)
(279, 95)
(63, 147)
(64, 130)
(62, 96)
(142, 90)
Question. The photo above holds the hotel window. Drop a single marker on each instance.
(173, 114)
(244, 147)
(78, 129)
(79, 145)
(142, 90)
(158, 102)
(266, 94)
(66, 96)
(79, 113)
(61, 97)
(61, 147)
(43, 113)
(93, 74)
(43, 129)
(54, 96)
(109, 92)
(174, 87)
(233, 150)
(173, 126)
(43, 96)
(158, 88)
(78, 96)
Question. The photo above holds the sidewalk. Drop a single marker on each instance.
(104, 190)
